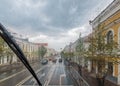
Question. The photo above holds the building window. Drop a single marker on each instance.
(109, 37)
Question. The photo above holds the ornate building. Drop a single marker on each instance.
(109, 18)
(30, 50)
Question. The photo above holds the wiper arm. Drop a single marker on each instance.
(16, 49)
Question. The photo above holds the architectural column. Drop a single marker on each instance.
(96, 70)
(114, 70)
(118, 80)
(83, 62)
(89, 66)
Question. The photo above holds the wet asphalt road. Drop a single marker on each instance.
(13, 77)
(51, 74)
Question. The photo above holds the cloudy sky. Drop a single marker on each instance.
(56, 22)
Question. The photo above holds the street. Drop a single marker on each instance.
(15, 76)
(49, 74)
(60, 43)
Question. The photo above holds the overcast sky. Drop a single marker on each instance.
(56, 22)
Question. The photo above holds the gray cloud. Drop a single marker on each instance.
(60, 21)
(47, 16)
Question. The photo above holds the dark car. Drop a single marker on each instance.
(60, 60)
(44, 61)
(50, 59)
(54, 60)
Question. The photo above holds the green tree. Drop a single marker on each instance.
(9, 54)
(1, 48)
(62, 54)
(80, 46)
(100, 48)
(79, 49)
(5, 51)
(42, 51)
(101, 51)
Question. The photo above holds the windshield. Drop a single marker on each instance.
(60, 43)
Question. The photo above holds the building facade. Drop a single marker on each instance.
(109, 18)
(81, 44)
(30, 50)
(50, 52)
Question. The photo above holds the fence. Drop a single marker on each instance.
(78, 77)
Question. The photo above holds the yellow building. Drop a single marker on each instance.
(110, 19)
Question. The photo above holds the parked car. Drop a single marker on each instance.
(44, 61)
(60, 60)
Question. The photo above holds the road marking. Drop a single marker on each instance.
(4, 73)
(19, 84)
(34, 82)
(63, 68)
(11, 76)
(61, 76)
(50, 76)
(23, 81)
(43, 75)
(48, 79)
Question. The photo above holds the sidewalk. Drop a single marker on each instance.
(91, 77)
(9, 67)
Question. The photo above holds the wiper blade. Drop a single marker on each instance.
(16, 49)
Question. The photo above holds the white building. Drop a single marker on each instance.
(30, 50)
(50, 52)
(72, 48)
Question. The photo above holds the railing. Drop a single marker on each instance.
(79, 78)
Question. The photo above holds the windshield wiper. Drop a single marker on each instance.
(16, 49)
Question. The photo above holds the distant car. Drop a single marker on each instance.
(54, 60)
(50, 59)
(60, 60)
(44, 61)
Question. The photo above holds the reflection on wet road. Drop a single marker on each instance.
(60, 77)
(50, 74)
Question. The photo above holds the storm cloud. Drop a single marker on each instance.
(49, 17)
